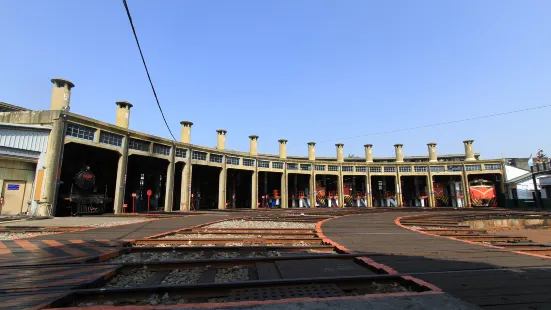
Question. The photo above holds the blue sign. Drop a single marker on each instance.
(13, 187)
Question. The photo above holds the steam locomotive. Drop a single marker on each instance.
(84, 197)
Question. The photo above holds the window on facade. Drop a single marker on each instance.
(332, 168)
(232, 160)
(420, 169)
(492, 167)
(437, 168)
(110, 138)
(263, 164)
(248, 162)
(79, 131)
(361, 169)
(473, 167)
(390, 169)
(305, 167)
(347, 169)
(161, 149)
(320, 167)
(199, 155)
(291, 166)
(375, 169)
(404, 169)
(181, 153)
(139, 145)
(277, 165)
(455, 168)
(216, 158)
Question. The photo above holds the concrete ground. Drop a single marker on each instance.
(87, 221)
(419, 302)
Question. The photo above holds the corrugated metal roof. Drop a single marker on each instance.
(6, 107)
(18, 153)
(24, 138)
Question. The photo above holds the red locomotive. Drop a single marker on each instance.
(483, 193)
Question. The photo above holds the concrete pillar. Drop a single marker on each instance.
(313, 188)
(254, 145)
(340, 188)
(185, 190)
(340, 152)
(369, 194)
(123, 114)
(282, 148)
(54, 155)
(430, 189)
(186, 131)
(399, 197)
(120, 185)
(432, 152)
(399, 153)
(221, 140)
(368, 153)
(61, 94)
(295, 191)
(312, 151)
(469, 151)
(254, 189)
(169, 193)
(222, 179)
(284, 188)
(466, 193)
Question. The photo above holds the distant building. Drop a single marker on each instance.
(519, 182)
(80, 164)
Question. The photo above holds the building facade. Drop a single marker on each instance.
(22, 151)
(134, 171)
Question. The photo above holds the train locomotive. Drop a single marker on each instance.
(483, 193)
(84, 197)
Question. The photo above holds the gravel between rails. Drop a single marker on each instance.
(14, 235)
(168, 245)
(379, 288)
(183, 276)
(131, 279)
(155, 257)
(233, 274)
(229, 236)
(152, 300)
(114, 223)
(205, 236)
(260, 224)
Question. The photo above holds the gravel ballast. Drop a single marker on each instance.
(22, 235)
(155, 257)
(131, 279)
(151, 300)
(168, 245)
(208, 236)
(231, 236)
(183, 276)
(233, 274)
(379, 288)
(261, 224)
(114, 223)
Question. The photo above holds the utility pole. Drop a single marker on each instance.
(536, 189)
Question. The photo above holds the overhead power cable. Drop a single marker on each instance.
(439, 124)
(145, 66)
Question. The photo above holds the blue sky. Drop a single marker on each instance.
(301, 70)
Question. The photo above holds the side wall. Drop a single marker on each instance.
(13, 170)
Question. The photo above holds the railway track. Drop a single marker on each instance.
(458, 226)
(218, 263)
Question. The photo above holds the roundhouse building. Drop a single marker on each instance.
(89, 164)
